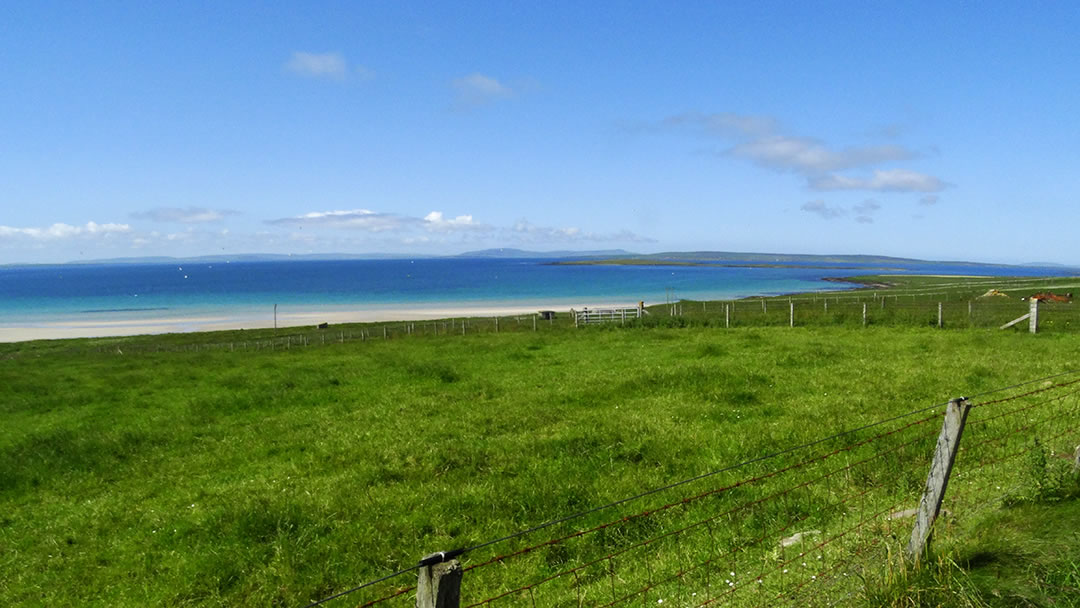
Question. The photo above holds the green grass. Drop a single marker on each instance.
(273, 477)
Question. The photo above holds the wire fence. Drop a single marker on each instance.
(805, 525)
(825, 311)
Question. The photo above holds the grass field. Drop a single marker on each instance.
(131, 477)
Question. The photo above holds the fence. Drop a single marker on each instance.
(605, 315)
(805, 525)
(869, 310)
(911, 309)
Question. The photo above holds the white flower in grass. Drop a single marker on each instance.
(660, 601)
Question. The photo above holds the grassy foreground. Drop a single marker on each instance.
(278, 477)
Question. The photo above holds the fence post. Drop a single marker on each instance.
(1033, 320)
(727, 316)
(791, 314)
(438, 583)
(534, 322)
(864, 314)
(939, 315)
(938, 479)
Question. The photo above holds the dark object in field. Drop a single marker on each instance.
(323, 325)
(1052, 297)
(547, 315)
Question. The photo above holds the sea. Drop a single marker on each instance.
(89, 294)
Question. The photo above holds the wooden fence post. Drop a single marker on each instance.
(438, 583)
(939, 315)
(1076, 460)
(791, 313)
(938, 479)
(864, 314)
(1033, 320)
(534, 322)
(727, 315)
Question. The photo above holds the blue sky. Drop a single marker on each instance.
(930, 130)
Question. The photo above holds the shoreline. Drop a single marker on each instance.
(110, 328)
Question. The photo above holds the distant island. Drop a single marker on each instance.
(727, 259)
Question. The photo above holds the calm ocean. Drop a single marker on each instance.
(34, 295)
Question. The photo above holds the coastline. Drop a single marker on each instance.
(113, 327)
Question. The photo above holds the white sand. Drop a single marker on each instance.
(83, 328)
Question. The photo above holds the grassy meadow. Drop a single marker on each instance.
(152, 471)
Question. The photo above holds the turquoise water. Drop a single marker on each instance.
(34, 295)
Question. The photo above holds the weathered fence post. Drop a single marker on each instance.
(1076, 459)
(727, 315)
(791, 313)
(438, 584)
(864, 314)
(939, 315)
(1033, 320)
(938, 479)
(534, 322)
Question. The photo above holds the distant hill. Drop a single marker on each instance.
(774, 258)
(507, 252)
(736, 256)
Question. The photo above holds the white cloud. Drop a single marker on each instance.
(187, 215)
(64, 231)
(527, 232)
(822, 210)
(325, 65)
(883, 180)
(437, 227)
(357, 219)
(478, 89)
(810, 156)
(435, 222)
(759, 140)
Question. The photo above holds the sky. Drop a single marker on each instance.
(933, 130)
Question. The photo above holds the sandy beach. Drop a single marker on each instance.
(80, 328)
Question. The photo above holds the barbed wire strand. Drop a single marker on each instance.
(689, 480)
(686, 500)
(731, 511)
